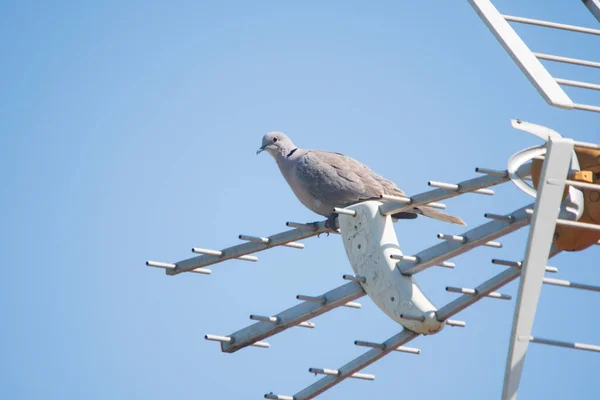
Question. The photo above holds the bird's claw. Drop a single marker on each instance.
(330, 222)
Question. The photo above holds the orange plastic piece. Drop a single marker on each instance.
(575, 239)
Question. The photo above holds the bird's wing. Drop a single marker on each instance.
(338, 180)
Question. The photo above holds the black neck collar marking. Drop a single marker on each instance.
(291, 152)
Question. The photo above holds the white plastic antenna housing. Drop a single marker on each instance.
(370, 240)
(572, 205)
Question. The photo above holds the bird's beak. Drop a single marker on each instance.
(262, 148)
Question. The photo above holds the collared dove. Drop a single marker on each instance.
(322, 180)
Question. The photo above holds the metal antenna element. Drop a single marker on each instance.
(381, 346)
(577, 346)
(407, 200)
(360, 279)
(229, 339)
(257, 239)
(573, 224)
(157, 264)
(492, 172)
(218, 253)
(506, 218)
(276, 320)
(335, 372)
(452, 322)
(464, 239)
(456, 188)
(473, 292)
(569, 284)
(278, 397)
(344, 211)
(519, 264)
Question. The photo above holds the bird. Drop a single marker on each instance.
(322, 180)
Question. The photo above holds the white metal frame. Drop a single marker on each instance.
(556, 167)
(528, 61)
(594, 7)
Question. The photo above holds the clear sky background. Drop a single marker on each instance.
(128, 132)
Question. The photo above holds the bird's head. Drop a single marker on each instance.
(276, 144)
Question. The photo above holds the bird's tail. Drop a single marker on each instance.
(442, 216)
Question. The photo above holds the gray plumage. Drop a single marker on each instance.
(322, 180)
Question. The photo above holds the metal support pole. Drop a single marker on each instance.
(539, 243)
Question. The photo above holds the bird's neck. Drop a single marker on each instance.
(287, 158)
(287, 155)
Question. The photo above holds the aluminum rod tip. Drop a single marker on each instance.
(255, 239)
(497, 217)
(217, 338)
(158, 264)
(294, 245)
(305, 227)
(207, 252)
(344, 211)
(307, 324)
(274, 396)
(396, 199)
(493, 172)
(447, 264)
(460, 324)
(410, 259)
(410, 350)
(353, 304)
(312, 299)
(413, 317)
(363, 343)
(357, 278)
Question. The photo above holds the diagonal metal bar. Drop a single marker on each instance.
(539, 243)
(476, 237)
(594, 7)
(521, 55)
(278, 239)
(292, 317)
(356, 365)
(467, 186)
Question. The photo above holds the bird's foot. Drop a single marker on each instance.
(331, 222)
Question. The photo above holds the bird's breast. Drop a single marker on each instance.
(305, 197)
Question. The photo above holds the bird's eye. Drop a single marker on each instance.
(274, 139)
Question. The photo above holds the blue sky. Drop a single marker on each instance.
(129, 131)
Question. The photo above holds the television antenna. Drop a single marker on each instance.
(565, 215)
